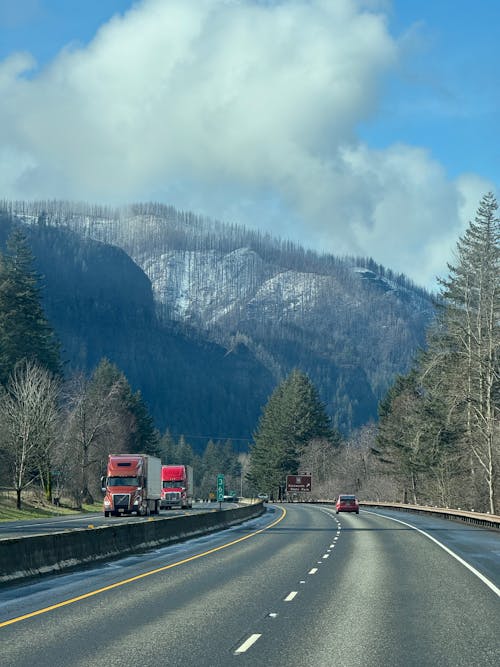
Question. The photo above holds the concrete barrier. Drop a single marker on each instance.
(45, 554)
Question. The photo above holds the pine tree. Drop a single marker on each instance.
(145, 438)
(25, 334)
(292, 418)
(470, 321)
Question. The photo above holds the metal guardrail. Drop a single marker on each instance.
(477, 518)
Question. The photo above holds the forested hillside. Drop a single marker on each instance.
(264, 304)
(101, 305)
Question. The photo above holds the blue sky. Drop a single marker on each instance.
(364, 127)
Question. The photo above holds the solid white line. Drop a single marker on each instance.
(478, 574)
(313, 571)
(246, 645)
(290, 596)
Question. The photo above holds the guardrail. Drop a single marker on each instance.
(477, 518)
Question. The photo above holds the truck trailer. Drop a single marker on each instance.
(132, 485)
(177, 486)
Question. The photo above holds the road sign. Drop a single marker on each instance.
(296, 483)
(220, 488)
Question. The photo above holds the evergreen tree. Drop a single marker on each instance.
(141, 435)
(414, 437)
(144, 437)
(25, 334)
(470, 320)
(292, 418)
(167, 448)
(447, 408)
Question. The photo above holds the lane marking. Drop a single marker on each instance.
(313, 571)
(249, 642)
(137, 577)
(472, 569)
(290, 596)
(326, 555)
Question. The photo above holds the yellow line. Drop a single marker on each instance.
(139, 576)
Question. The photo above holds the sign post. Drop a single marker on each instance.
(220, 488)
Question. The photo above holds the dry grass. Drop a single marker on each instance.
(34, 506)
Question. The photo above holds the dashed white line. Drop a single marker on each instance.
(248, 643)
(290, 596)
(326, 555)
(313, 571)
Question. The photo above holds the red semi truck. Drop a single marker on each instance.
(177, 486)
(132, 485)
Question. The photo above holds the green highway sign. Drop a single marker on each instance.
(220, 488)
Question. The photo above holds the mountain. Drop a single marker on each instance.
(349, 323)
(101, 304)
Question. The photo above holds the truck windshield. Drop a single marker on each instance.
(172, 482)
(123, 481)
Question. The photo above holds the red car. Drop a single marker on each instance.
(347, 504)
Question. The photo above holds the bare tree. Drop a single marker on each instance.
(472, 321)
(30, 418)
(95, 424)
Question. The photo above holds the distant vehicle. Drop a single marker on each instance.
(177, 487)
(346, 503)
(263, 496)
(132, 485)
(230, 499)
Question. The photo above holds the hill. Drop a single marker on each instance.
(223, 312)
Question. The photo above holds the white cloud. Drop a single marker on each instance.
(239, 108)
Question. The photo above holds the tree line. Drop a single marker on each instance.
(437, 440)
(439, 428)
(57, 428)
(215, 282)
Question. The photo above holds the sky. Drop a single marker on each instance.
(352, 127)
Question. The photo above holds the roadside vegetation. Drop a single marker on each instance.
(35, 507)
(437, 440)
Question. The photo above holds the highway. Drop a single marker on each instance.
(298, 586)
(29, 527)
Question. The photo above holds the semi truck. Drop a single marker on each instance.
(177, 486)
(132, 485)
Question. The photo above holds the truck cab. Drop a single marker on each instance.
(177, 487)
(130, 485)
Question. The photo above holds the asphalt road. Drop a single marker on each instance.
(305, 588)
(54, 524)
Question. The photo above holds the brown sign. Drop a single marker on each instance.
(296, 483)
